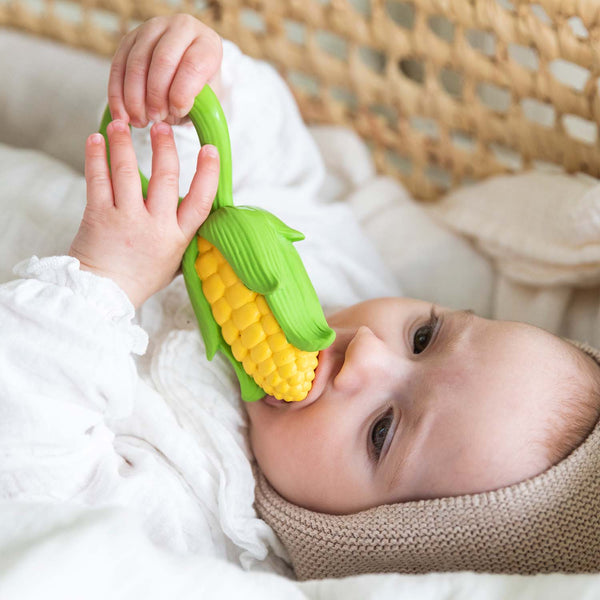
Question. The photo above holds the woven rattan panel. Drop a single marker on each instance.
(444, 91)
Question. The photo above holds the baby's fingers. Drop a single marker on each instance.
(126, 185)
(163, 189)
(200, 62)
(166, 57)
(195, 207)
(97, 175)
(134, 62)
(116, 80)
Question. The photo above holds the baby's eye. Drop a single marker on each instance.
(423, 335)
(422, 338)
(379, 433)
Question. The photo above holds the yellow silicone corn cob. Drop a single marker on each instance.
(251, 330)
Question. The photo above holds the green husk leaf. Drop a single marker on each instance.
(259, 247)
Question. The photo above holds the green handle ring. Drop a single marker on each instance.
(209, 121)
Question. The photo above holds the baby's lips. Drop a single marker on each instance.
(272, 401)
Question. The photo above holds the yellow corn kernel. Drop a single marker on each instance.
(221, 311)
(278, 343)
(270, 325)
(261, 352)
(203, 245)
(239, 350)
(230, 332)
(249, 365)
(213, 288)
(252, 335)
(266, 367)
(287, 370)
(274, 379)
(206, 265)
(296, 380)
(238, 294)
(307, 363)
(227, 273)
(245, 315)
(285, 356)
(249, 327)
(263, 307)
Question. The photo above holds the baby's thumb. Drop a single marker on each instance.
(195, 207)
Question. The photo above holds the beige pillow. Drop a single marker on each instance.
(55, 96)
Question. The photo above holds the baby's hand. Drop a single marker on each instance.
(160, 67)
(137, 243)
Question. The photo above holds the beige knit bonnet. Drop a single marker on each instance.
(549, 523)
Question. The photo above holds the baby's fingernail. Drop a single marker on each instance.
(162, 128)
(119, 116)
(95, 138)
(119, 125)
(211, 151)
(178, 113)
(138, 123)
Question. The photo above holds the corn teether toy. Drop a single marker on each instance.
(249, 289)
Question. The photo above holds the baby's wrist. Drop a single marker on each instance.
(131, 291)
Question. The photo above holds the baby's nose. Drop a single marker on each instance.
(368, 362)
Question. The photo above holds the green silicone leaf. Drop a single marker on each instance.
(238, 233)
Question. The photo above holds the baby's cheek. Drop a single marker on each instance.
(267, 439)
(450, 382)
(286, 451)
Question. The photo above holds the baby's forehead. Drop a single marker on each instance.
(537, 343)
(510, 357)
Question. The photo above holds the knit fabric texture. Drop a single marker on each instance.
(549, 523)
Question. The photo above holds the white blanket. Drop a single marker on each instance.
(141, 487)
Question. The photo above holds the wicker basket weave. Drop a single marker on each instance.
(444, 91)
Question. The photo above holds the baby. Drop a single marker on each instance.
(411, 401)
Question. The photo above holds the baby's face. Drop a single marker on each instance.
(408, 404)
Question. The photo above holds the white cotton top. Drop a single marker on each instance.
(100, 407)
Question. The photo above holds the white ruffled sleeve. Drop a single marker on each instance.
(65, 355)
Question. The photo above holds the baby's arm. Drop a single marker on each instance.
(135, 242)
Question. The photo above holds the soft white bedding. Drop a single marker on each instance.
(138, 545)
